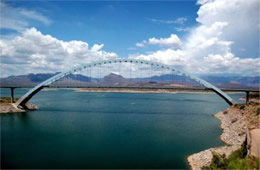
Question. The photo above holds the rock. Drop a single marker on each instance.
(234, 120)
(198, 160)
(10, 108)
(253, 142)
(31, 106)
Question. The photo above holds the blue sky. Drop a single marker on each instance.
(118, 25)
(184, 34)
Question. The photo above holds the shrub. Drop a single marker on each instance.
(237, 160)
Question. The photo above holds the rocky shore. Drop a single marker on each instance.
(236, 122)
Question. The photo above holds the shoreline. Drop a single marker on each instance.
(104, 90)
(203, 158)
(235, 124)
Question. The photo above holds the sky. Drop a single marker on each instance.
(201, 37)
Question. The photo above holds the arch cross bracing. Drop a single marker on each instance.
(24, 99)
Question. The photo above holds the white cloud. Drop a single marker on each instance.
(179, 20)
(242, 18)
(175, 57)
(19, 18)
(35, 16)
(182, 29)
(97, 47)
(204, 40)
(201, 2)
(35, 52)
(211, 46)
(141, 44)
(230, 63)
(173, 41)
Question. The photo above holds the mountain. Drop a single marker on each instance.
(233, 81)
(37, 78)
(33, 79)
(115, 79)
(26, 80)
(170, 78)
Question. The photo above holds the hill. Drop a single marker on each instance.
(115, 80)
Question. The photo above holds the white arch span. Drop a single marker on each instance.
(25, 98)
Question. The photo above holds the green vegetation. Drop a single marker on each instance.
(237, 160)
(240, 106)
(6, 99)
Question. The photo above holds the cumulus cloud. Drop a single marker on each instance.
(173, 41)
(243, 22)
(225, 27)
(175, 57)
(229, 63)
(214, 46)
(35, 52)
(19, 18)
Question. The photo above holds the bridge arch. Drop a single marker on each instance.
(25, 98)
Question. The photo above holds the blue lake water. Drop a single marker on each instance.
(110, 130)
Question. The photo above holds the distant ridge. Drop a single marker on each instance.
(115, 79)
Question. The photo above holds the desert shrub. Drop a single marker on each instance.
(217, 162)
(237, 160)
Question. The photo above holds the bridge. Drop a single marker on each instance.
(191, 89)
(21, 102)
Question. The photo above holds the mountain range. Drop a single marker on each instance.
(116, 80)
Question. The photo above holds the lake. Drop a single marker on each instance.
(110, 130)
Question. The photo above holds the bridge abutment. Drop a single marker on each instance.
(247, 96)
(12, 94)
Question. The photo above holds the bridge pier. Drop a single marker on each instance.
(247, 96)
(12, 94)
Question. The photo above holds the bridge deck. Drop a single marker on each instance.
(140, 88)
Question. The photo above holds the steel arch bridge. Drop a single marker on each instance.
(25, 98)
